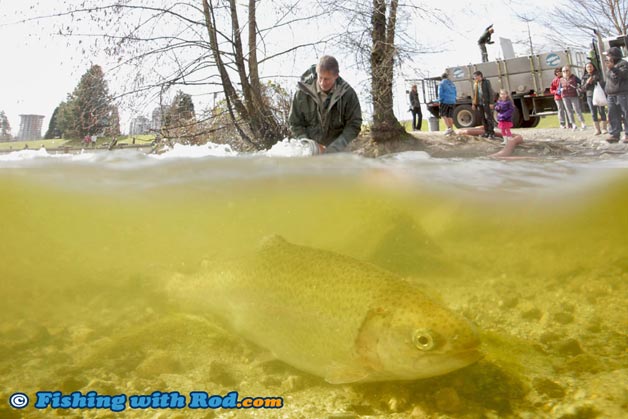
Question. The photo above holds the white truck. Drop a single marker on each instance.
(527, 78)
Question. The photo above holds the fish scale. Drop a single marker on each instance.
(334, 316)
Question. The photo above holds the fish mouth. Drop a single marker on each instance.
(460, 359)
(446, 362)
(468, 356)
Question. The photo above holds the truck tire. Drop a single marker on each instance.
(465, 116)
(517, 119)
(531, 123)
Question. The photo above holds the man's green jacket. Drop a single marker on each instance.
(334, 125)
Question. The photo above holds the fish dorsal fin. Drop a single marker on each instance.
(272, 241)
(344, 374)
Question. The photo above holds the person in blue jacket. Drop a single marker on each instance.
(447, 101)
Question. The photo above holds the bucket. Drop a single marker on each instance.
(433, 123)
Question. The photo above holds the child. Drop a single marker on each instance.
(505, 109)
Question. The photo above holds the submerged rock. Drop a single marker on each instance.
(548, 388)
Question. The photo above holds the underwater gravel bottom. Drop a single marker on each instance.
(89, 249)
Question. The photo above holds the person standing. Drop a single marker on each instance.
(415, 108)
(483, 100)
(555, 89)
(325, 108)
(485, 39)
(505, 109)
(589, 80)
(447, 100)
(569, 91)
(616, 92)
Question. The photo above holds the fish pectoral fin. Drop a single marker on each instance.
(264, 357)
(343, 374)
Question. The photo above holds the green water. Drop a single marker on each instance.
(86, 251)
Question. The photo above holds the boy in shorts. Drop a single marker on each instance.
(447, 100)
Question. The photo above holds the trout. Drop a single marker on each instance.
(333, 316)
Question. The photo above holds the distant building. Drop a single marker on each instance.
(157, 118)
(139, 125)
(30, 127)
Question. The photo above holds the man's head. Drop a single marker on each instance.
(327, 70)
(444, 75)
(478, 75)
(614, 54)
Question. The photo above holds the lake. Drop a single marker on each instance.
(533, 253)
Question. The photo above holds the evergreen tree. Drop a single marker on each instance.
(88, 110)
(180, 112)
(5, 127)
(92, 102)
(53, 128)
(67, 122)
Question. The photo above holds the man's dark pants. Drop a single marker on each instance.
(484, 52)
(617, 111)
(417, 119)
(487, 119)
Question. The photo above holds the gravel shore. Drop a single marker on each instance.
(544, 143)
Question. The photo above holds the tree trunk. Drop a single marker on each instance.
(261, 122)
(267, 127)
(385, 124)
(231, 96)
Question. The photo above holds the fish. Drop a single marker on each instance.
(331, 315)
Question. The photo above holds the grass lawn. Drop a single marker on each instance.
(32, 144)
(139, 139)
(144, 139)
(551, 121)
(425, 126)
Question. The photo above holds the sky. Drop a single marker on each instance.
(39, 68)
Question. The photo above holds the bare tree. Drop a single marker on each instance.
(376, 32)
(583, 17)
(385, 123)
(209, 45)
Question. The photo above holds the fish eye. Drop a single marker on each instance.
(423, 339)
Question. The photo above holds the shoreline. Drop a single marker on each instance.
(530, 143)
(78, 150)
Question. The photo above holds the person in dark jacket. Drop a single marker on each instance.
(485, 39)
(590, 79)
(569, 88)
(415, 108)
(325, 108)
(483, 99)
(616, 92)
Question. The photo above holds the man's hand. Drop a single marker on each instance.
(491, 107)
(474, 107)
(321, 148)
